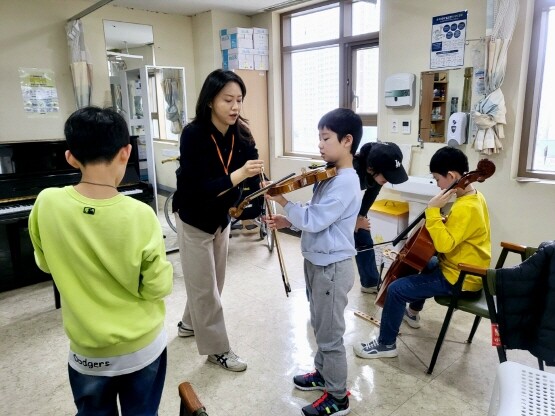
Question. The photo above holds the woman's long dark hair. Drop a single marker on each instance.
(213, 84)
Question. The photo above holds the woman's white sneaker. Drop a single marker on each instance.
(228, 360)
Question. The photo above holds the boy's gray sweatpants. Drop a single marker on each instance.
(327, 289)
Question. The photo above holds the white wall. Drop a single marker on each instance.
(32, 34)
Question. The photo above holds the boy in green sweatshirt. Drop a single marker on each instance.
(106, 254)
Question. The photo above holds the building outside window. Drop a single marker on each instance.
(537, 152)
(330, 55)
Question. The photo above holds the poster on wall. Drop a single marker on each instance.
(39, 92)
(448, 40)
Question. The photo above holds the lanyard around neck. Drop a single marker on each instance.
(220, 153)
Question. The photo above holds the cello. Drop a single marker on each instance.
(419, 248)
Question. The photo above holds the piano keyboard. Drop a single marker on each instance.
(16, 208)
(26, 208)
(131, 192)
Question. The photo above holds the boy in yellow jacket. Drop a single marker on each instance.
(106, 254)
(463, 238)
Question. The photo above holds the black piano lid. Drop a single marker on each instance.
(28, 167)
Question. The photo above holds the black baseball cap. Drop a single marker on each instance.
(386, 158)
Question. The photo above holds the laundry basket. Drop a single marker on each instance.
(523, 391)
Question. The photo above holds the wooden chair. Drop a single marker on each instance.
(190, 403)
(477, 306)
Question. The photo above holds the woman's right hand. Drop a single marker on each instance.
(248, 170)
(252, 168)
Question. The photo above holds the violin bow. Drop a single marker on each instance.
(284, 277)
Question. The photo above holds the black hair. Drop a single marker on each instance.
(449, 159)
(95, 134)
(213, 84)
(342, 122)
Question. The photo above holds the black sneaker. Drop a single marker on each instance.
(328, 405)
(310, 381)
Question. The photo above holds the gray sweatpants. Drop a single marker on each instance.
(204, 260)
(327, 288)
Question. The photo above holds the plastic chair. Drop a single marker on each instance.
(520, 390)
(477, 306)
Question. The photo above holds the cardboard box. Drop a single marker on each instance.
(260, 41)
(238, 30)
(261, 62)
(259, 31)
(244, 51)
(237, 61)
(236, 40)
(387, 219)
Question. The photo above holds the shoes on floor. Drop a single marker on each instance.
(183, 331)
(328, 405)
(412, 321)
(374, 349)
(310, 381)
(228, 360)
(372, 289)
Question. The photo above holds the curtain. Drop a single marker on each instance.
(81, 68)
(489, 113)
(171, 93)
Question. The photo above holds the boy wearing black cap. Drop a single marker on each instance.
(376, 164)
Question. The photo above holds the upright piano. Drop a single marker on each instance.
(26, 168)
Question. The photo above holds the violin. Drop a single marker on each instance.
(236, 212)
(419, 248)
(305, 178)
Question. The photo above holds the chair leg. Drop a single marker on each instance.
(540, 364)
(439, 342)
(477, 320)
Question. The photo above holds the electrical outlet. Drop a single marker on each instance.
(394, 127)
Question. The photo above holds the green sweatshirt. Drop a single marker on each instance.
(464, 237)
(108, 260)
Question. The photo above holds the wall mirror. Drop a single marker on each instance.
(442, 93)
(152, 100)
(128, 46)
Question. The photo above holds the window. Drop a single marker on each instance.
(330, 59)
(537, 152)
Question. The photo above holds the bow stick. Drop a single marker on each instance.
(284, 277)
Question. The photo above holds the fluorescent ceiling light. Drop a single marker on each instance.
(123, 55)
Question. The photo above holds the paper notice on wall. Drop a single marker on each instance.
(38, 90)
(448, 40)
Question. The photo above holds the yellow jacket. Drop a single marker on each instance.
(465, 237)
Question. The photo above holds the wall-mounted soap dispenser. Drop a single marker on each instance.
(457, 129)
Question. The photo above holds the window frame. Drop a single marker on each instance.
(346, 43)
(532, 98)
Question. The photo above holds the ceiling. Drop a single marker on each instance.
(192, 7)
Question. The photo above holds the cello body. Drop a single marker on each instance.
(412, 259)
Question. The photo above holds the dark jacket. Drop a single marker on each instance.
(526, 304)
(367, 182)
(201, 176)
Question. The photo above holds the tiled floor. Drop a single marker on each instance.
(272, 333)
